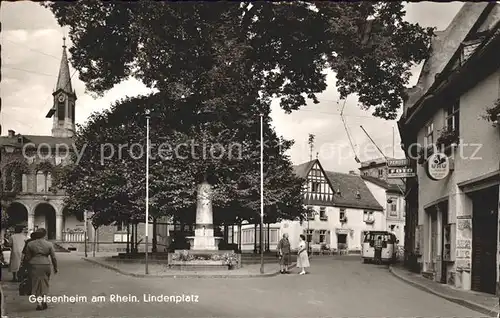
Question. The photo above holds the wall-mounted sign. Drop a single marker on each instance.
(401, 172)
(438, 166)
(398, 163)
(400, 168)
(464, 243)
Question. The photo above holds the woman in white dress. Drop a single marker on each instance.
(302, 257)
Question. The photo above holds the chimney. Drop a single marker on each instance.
(353, 172)
(11, 133)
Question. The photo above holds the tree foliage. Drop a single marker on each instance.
(284, 47)
(217, 67)
(111, 182)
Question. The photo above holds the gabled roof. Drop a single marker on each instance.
(348, 185)
(36, 140)
(303, 169)
(444, 46)
(384, 184)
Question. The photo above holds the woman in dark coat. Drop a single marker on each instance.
(23, 273)
(38, 252)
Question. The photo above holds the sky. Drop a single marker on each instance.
(31, 43)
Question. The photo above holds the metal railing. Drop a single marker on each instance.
(74, 237)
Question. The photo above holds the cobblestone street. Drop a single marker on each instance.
(336, 287)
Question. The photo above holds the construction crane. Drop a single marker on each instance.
(385, 157)
(348, 132)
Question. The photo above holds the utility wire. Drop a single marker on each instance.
(386, 161)
(27, 71)
(33, 50)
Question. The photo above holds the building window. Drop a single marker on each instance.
(393, 207)
(121, 238)
(24, 183)
(310, 213)
(429, 134)
(120, 226)
(322, 236)
(309, 235)
(61, 110)
(453, 117)
(342, 215)
(73, 112)
(274, 236)
(315, 186)
(468, 48)
(368, 217)
(322, 214)
(43, 181)
(247, 236)
(380, 173)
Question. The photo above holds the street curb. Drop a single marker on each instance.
(113, 268)
(462, 302)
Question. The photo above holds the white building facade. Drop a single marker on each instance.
(344, 208)
(391, 197)
(457, 232)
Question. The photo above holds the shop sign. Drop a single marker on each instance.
(438, 166)
(401, 172)
(400, 168)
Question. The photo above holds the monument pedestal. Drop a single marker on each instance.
(204, 239)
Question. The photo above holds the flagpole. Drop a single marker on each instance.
(147, 189)
(85, 229)
(261, 193)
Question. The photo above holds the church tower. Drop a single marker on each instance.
(64, 98)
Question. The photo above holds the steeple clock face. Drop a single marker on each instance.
(61, 98)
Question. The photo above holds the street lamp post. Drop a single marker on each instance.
(85, 230)
(261, 193)
(147, 189)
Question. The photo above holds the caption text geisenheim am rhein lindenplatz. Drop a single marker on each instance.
(116, 298)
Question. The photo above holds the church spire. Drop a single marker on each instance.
(64, 78)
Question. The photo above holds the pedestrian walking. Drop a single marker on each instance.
(38, 252)
(284, 254)
(16, 243)
(302, 257)
(24, 271)
(378, 250)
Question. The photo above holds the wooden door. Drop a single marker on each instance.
(484, 241)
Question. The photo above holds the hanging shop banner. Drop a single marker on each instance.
(400, 168)
(438, 166)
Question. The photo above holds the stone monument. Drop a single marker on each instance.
(204, 253)
(204, 239)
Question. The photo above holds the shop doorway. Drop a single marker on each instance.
(342, 243)
(484, 240)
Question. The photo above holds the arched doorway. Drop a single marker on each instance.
(45, 217)
(17, 214)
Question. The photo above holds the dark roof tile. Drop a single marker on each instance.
(348, 185)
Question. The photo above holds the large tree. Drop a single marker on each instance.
(179, 47)
(217, 66)
(110, 179)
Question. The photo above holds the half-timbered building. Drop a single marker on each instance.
(343, 209)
